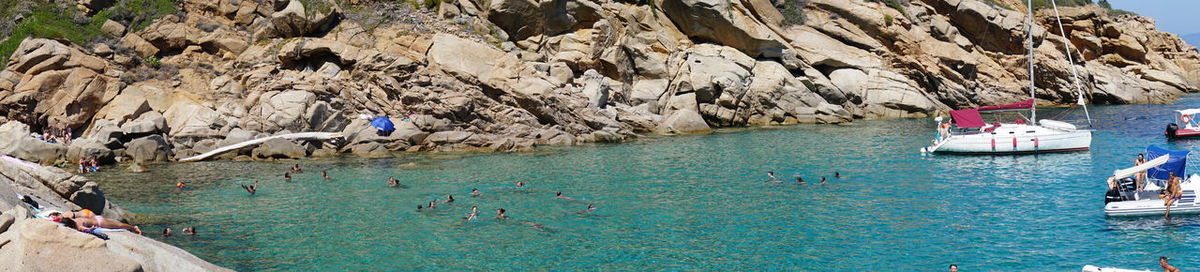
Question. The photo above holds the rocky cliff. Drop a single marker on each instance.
(504, 75)
(33, 244)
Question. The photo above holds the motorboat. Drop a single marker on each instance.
(1124, 199)
(971, 135)
(1183, 125)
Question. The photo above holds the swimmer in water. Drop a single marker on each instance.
(419, 207)
(800, 180)
(167, 232)
(189, 231)
(252, 188)
(559, 195)
(474, 213)
(432, 204)
(500, 214)
(287, 176)
(179, 185)
(520, 184)
(590, 208)
(822, 179)
(837, 174)
(771, 176)
(475, 192)
(296, 168)
(449, 198)
(326, 175)
(392, 182)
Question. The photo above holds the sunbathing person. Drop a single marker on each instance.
(89, 220)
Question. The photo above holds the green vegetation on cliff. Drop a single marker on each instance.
(47, 19)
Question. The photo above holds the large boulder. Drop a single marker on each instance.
(684, 122)
(296, 19)
(479, 62)
(279, 149)
(42, 245)
(17, 141)
(187, 118)
(57, 85)
(726, 22)
(86, 148)
(151, 148)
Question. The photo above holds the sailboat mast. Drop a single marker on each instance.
(1032, 88)
(1071, 61)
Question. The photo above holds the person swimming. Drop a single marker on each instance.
(475, 192)
(287, 176)
(800, 180)
(520, 184)
(325, 175)
(500, 214)
(822, 179)
(837, 174)
(419, 207)
(590, 208)
(771, 176)
(296, 168)
(474, 213)
(167, 232)
(449, 198)
(560, 195)
(392, 182)
(252, 188)
(179, 185)
(432, 204)
(189, 231)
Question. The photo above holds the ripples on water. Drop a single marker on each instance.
(681, 203)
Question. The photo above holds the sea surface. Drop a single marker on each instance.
(682, 203)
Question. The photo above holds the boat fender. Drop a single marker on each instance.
(993, 144)
(1171, 129)
(1014, 142)
(1036, 143)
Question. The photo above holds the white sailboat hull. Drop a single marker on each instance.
(1015, 138)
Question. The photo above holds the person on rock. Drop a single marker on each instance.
(88, 220)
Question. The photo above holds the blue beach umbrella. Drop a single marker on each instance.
(383, 124)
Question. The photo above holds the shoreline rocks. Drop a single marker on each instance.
(511, 75)
(33, 244)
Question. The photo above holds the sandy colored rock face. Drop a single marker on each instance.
(507, 75)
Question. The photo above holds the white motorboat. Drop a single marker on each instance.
(1123, 198)
(971, 135)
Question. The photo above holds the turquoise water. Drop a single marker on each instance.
(681, 203)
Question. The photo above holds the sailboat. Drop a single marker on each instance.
(971, 135)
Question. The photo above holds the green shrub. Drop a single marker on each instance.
(49, 20)
(432, 4)
(793, 12)
(1041, 4)
(152, 61)
(887, 19)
